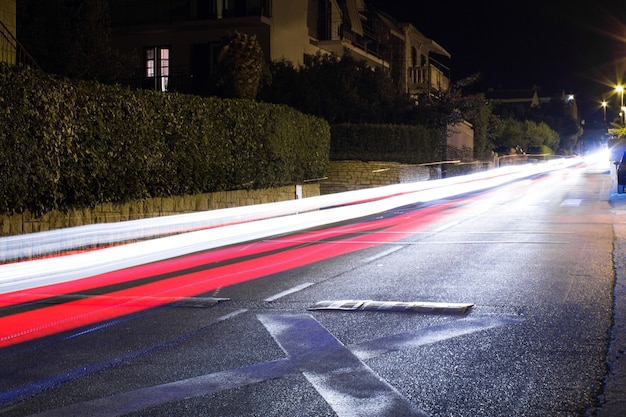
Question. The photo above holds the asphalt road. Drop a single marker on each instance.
(534, 258)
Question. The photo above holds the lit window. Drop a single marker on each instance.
(150, 63)
(158, 67)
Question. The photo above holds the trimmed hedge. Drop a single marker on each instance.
(66, 144)
(410, 144)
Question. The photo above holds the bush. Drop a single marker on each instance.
(411, 144)
(76, 144)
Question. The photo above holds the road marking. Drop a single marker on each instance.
(231, 315)
(571, 202)
(287, 292)
(427, 335)
(382, 254)
(446, 226)
(349, 386)
(321, 363)
(37, 387)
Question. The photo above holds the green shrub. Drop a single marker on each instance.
(411, 144)
(76, 144)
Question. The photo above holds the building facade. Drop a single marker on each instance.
(178, 41)
(8, 42)
(11, 51)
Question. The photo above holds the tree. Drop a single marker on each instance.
(453, 106)
(340, 90)
(525, 135)
(556, 114)
(240, 66)
(71, 38)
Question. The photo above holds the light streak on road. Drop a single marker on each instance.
(240, 226)
(46, 296)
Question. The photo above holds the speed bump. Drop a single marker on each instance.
(401, 306)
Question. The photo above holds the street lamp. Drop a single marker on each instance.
(620, 90)
(604, 104)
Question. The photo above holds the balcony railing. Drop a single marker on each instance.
(335, 31)
(368, 42)
(130, 12)
(428, 77)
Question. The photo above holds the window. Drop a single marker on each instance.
(158, 67)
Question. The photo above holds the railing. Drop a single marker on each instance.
(130, 12)
(336, 31)
(426, 78)
(11, 51)
(369, 43)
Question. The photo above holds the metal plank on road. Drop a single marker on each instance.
(411, 306)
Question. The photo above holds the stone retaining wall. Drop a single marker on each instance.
(152, 207)
(342, 176)
(356, 175)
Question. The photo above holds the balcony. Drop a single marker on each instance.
(337, 39)
(428, 79)
(152, 12)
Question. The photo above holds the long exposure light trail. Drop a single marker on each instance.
(42, 311)
(48, 296)
(56, 241)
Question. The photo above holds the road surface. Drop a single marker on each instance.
(496, 303)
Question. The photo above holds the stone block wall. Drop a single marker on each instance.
(356, 175)
(153, 207)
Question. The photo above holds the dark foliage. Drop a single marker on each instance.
(71, 38)
(339, 90)
(67, 144)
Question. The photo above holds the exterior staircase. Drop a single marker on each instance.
(11, 51)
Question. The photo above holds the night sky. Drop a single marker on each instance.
(575, 47)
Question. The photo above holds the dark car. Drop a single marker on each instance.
(621, 174)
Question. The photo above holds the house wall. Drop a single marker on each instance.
(182, 36)
(289, 31)
(8, 19)
(283, 36)
(461, 141)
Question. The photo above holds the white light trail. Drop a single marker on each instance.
(224, 227)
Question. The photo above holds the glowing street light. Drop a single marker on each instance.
(604, 104)
(620, 90)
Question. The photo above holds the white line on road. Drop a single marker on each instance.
(447, 226)
(231, 315)
(303, 355)
(571, 202)
(382, 254)
(287, 292)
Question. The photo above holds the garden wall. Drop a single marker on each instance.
(150, 207)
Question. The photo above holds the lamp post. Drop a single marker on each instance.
(620, 90)
(604, 104)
